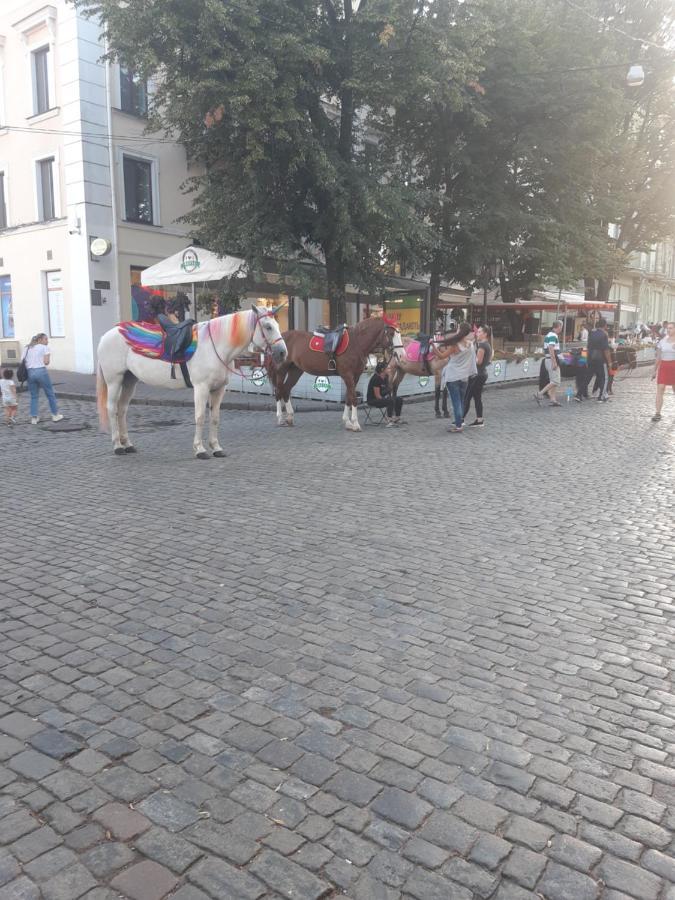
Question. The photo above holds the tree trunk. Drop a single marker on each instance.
(434, 290)
(604, 288)
(589, 288)
(337, 299)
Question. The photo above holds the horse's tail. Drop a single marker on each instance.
(102, 400)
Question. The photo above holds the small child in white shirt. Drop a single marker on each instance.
(8, 393)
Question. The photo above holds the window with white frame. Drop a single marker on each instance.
(55, 304)
(133, 93)
(6, 308)
(40, 65)
(45, 189)
(3, 201)
(139, 190)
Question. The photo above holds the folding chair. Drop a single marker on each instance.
(371, 416)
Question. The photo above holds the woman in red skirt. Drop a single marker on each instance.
(664, 369)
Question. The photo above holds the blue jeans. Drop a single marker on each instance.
(456, 392)
(39, 378)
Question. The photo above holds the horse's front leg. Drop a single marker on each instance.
(352, 423)
(214, 421)
(127, 392)
(201, 395)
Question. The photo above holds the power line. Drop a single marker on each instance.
(600, 21)
(102, 135)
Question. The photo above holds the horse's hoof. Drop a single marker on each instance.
(446, 415)
(290, 423)
(219, 453)
(130, 449)
(202, 455)
(119, 451)
(438, 415)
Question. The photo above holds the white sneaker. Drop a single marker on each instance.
(57, 417)
(34, 420)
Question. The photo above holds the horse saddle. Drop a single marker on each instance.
(167, 341)
(420, 350)
(330, 340)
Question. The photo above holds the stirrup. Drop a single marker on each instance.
(332, 365)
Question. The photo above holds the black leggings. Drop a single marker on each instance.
(475, 391)
(393, 406)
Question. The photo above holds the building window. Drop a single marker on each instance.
(40, 80)
(55, 304)
(138, 206)
(3, 202)
(133, 93)
(45, 189)
(6, 308)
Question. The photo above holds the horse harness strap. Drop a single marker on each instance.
(331, 342)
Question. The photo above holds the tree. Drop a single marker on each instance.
(276, 101)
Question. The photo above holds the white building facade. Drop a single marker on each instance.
(647, 288)
(77, 174)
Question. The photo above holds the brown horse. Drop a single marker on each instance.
(400, 366)
(350, 361)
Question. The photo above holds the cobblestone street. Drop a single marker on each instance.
(401, 664)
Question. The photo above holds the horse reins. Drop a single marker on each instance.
(269, 344)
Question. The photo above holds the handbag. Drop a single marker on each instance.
(22, 371)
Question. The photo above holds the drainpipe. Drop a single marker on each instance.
(113, 192)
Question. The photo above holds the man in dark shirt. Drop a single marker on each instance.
(599, 359)
(379, 396)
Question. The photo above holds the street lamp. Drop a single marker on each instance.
(489, 273)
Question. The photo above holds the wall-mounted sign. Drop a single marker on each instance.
(423, 380)
(258, 377)
(497, 369)
(322, 384)
(526, 365)
(190, 262)
(100, 247)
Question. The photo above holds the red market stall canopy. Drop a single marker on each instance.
(527, 305)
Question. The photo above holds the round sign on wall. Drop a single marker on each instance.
(258, 377)
(423, 380)
(322, 384)
(497, 369)
(100, 247)
(526, 365)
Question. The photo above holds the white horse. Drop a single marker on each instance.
(220, 341)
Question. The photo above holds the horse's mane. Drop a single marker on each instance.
(234, 326)
(364, 323)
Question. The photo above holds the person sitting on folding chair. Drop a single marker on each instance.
(380, 397)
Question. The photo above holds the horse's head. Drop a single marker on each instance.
(267, 334)
(391, 338)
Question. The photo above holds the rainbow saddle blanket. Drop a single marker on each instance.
(151, 340)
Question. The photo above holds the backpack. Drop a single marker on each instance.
(22, 371)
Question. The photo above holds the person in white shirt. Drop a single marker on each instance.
(664, 368)
(37, 357)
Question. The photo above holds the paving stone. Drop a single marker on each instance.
(35, 843)
(661, 864)
(225, 841)
(33, 765)
(219, 879)
(55, 744)
(287, 878)
(107, 858)
(355, 788)
(645, 832)
(9, 867)
(20, 889)
(283, 840)
(424, 853)
(312, 856)
(166, 810)
(446, 830)
(145, 880)
(431, 886)
(89, 762)
(438, 794)
(626, 877)
(524, 831)
(68, 884)
(15, 825)
(477, 812)
(119, 747)
(477, 879)
(168, 849)
(401, 807)
(489, 851)
(525, 866)
(561, 883)
(122, 822)
(47, 865)
(85, 837)
(19, 726)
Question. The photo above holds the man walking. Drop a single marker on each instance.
(551, 349)
(599, 359)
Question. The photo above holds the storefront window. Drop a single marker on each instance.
(6, 307)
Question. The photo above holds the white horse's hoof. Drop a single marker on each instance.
(119, 451)
(281, 424)
(219, 453)
(202, 455)
(290, 423)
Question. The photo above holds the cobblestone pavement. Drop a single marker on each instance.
(401, 664)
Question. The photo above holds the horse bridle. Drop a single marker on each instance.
(269, 344)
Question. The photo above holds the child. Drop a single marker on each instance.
(8, 393)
